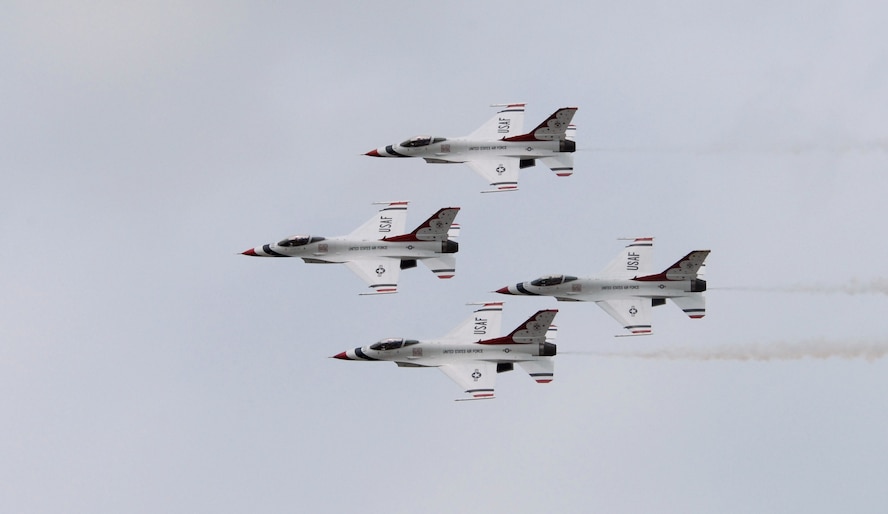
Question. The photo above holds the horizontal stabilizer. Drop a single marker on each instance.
(542, 370)
(562, 164)
(443, 266)
(694, 305)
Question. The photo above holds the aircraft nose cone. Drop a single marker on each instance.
(341, 355)
(373, 153)
(250, 252)
(504, 290)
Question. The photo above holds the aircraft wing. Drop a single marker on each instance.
(477, 378)
(389, 221)
(486, 322)
(633, 313)
(632, 261)
(501, 172)
(509, 121)
(381, 273)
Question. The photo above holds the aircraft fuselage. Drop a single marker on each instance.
(598, 289)
(339, 250)
(457, 150)
(435, 354)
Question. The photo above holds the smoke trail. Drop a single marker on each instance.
(847, 147)
(852, 287)
(776, 351)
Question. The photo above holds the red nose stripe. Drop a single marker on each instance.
(373, 153)
(250, 252)
(503, 290)
(341, 355)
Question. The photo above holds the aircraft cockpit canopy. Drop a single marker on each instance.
(392, 344)
(418, 141)
(299, 241)
(552, 280)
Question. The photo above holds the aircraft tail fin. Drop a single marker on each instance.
(554, 128)
(534, 330)
(685, 268)
(436, 228)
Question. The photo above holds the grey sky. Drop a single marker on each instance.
(146, 367)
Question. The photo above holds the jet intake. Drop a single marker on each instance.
(698, 285)
(548, 350)
(656, 302)
(408, 263)
(526, 163)
(449, 246)
(567, 146)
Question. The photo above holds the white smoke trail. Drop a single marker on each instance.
(775, 351)
(788, 148)
(852, 287)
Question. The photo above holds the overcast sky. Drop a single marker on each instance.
(146, 366)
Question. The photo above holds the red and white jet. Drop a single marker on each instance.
(498, 149)
(473, 353)
(626, 289)
(379, 249)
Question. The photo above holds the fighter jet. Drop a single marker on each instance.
(378, 250)
(498, 149)
(473, 353)
(626, 289)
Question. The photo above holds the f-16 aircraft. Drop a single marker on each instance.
(378, 250)
(498, 149)
(626, 289)
(473, 353)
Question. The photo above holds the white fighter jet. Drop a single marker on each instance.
(379, 249)
(626, 289)
(498, 149)
(473, 352)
